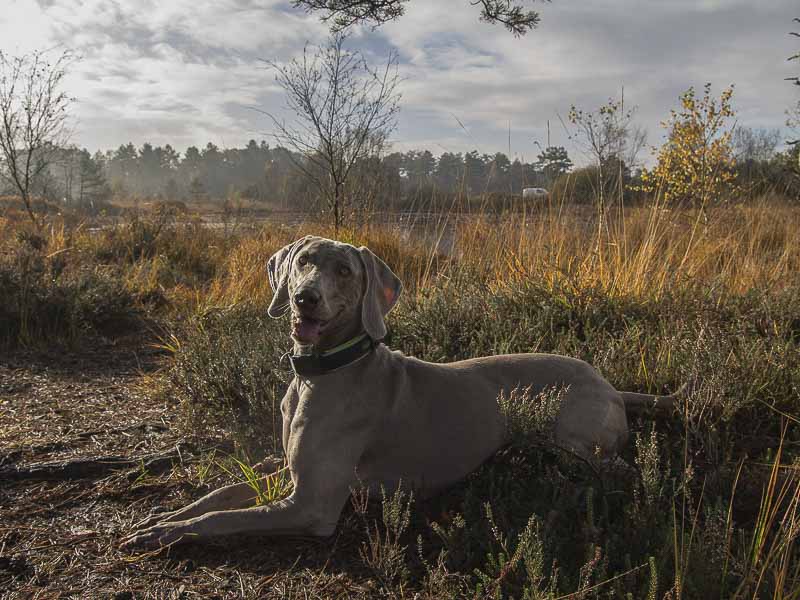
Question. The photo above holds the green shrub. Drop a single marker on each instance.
(227, 372)
(43, 302)
(579, 187)
(582, 186)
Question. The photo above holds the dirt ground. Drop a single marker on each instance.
(85, 453)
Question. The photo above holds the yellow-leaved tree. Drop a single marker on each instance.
(696, 164)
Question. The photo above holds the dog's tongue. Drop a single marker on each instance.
(307, 330)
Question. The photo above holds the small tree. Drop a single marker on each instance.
(197, 190)
(93, 188)
(344, 110)
(755, 145)
(696, 164)
(608, 137)
(793, 121)
(367, 184)
(171, 190)
(33, 119)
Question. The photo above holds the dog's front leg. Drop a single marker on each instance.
(322, 483)
(237, 495)
(291, 516)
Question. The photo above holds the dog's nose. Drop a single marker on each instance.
(308, 298)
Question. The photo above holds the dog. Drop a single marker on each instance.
(357, 413)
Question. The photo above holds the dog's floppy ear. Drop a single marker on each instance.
(278, 268)
(380, 294)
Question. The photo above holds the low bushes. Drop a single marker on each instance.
(534, 522)
(227, 373)
(44, 302)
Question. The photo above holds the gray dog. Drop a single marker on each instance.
(357, 413)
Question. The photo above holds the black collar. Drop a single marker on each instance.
(335, 358)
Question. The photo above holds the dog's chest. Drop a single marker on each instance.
(314, 411)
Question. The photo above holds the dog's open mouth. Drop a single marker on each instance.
(307, 330)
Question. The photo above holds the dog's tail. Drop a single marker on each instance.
(643, 403)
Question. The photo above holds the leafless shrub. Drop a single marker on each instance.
(33, 119)
(343, 108)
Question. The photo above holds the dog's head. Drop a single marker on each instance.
(334, 291)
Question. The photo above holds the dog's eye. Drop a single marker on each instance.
(302, 260)
(344, 271)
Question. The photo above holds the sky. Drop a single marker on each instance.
(186, 72)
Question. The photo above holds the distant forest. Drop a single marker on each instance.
(263, 174)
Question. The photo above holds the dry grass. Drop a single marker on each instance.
(643, 252)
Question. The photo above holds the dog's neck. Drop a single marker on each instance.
(309, 364)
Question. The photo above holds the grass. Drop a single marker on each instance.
(47, 296)
(266, 488)
(703, 505)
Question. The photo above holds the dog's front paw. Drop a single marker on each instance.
(148, 522)
(158, 536)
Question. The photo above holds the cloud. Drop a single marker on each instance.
(187, 72)
(178, 72)
(24, 27)
(583, 54)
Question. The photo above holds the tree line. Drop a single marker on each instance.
(261, 173)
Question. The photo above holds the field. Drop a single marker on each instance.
(139, 371)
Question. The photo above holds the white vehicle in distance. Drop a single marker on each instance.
(533, 192)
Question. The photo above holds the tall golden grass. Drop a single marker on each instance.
(643, 252)
(646, 251)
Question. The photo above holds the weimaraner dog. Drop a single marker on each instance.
(357, 413)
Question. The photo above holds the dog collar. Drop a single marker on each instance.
(335, 358)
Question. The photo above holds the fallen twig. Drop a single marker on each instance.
(88, 467)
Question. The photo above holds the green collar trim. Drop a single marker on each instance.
(345, 345)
